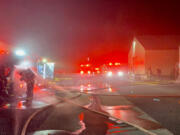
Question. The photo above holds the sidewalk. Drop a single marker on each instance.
(153, 82)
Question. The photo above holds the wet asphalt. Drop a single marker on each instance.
(165, 110)
(77, 120)
(70, 118)
(160, 101)
(65, 118)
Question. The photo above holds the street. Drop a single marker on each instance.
(96, 106)
(83, 67)
(160, 101)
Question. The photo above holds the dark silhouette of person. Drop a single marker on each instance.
(150, 73)
(7, 63)
(3, 80)
(5, 71)
(159, 72)
(28, 76)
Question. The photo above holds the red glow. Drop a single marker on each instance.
(20, 104)
(87, 65)
(3, 52)
(36, 88)
(127, 113)
(138, 61)
(4, 47)
(6, 106)
(111, 128)
(7, 71)
(82, 65)
(81, 116)
(21, 85)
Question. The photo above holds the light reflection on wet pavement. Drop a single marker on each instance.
(87, 123)
(51, 132)
(77, 122)
(129, 114)
(89, 88)
(42, 98)
(126, 113)
(123, 112)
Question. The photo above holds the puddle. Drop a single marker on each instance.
(100, 125)
(113, 128)
(90, 88)
(51, 132)
(77, 122)
(129, 114)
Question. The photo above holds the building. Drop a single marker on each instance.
(154, 57)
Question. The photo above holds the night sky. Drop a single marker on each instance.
(69, 31)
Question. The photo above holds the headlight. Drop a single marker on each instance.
(89, 72)
(109, 74)
(20, 53)
(120, 73)
(81, 72)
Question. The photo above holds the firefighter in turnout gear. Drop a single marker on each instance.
(29, 77)
(7, 63)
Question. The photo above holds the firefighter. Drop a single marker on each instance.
(3, 81)
(5, 72)
(28, 76)
(7, 64)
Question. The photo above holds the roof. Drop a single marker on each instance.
(159, 42)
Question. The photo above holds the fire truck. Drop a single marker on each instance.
(115, 70)
(45, 69)
(109, 70)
